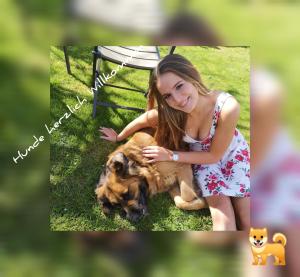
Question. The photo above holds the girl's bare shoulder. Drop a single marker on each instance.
(152, 117)
(231, 108)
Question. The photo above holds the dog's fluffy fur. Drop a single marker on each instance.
(129, 180)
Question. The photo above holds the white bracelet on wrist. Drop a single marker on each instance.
(175, 157)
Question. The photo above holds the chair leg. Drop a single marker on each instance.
(67, 59)
(95, 103)
(95, 57)
(94, 79)
(172, 49)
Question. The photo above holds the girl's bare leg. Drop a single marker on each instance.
(241, 206)
(222, 213)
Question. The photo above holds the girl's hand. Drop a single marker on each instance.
(157, 154)
(108, 134)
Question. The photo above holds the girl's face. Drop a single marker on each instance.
(178, 93)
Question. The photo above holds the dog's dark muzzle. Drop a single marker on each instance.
(137, 213)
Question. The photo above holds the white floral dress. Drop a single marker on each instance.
(231, 175)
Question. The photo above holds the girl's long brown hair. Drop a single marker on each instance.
(171, 122)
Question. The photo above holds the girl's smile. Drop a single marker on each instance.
(178, 93)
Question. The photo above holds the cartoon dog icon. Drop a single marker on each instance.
(261, 249)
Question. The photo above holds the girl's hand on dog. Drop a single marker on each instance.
(157, 154)
(108, 134)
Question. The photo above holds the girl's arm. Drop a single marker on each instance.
(147, 119)
(224, 133)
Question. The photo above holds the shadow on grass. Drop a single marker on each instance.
(58, 53)
(58, 104)
(74, 195)
(80, 53)
(81, 80)
(77, 55)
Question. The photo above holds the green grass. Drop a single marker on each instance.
(77, 154)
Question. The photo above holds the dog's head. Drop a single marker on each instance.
(258, 237)
(120, 185)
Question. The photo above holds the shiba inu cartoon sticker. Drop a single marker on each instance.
(261, 249)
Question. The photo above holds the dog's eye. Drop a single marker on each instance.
(126, 196)
(255, 237)
(261, 237)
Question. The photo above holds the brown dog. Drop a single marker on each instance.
(129, 180)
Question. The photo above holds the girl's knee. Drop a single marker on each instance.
(219, 202)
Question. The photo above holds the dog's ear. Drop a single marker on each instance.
(120, 164)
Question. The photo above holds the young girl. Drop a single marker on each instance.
(188, 113)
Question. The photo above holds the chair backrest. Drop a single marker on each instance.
(140, 57)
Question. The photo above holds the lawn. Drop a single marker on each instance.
(77, 154)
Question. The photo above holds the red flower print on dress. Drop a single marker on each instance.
(221, 183)
(207, 140)
(245, 153)
(229, 164)
(215, 192)
(226, 172)
(217, 114)
(211, 186)
(244, 190)
(213, 177)
(239, 157)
